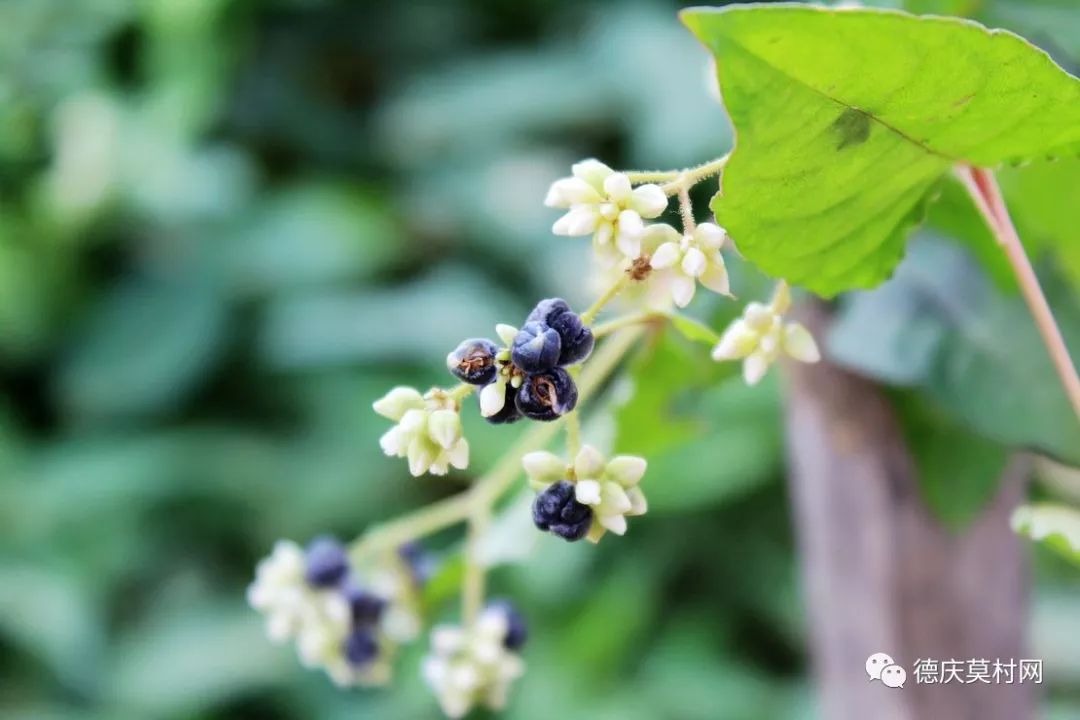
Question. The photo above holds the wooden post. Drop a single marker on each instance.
(880, 573)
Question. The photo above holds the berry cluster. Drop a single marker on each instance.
(556, 510)
(586, 497)
(343, 621)
(327, 568)
(528, 377)
(475, 664)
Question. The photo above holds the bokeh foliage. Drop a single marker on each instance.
(227, 227)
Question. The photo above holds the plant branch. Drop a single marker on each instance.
(472, 586)
(986, 194)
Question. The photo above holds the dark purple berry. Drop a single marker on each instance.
(422, 564)
(536, 348)
(517, 632)
(366, 607)
(509, 412)
(326, 563)
(558, 511)
(547, 396)
(361, 647)
(576, 339)
(473, 361)
(547, 309)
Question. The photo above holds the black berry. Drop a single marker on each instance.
(547, 309)
(326, 562)
(473, 361)
(360, 647)
(547, 396)
(576, 339)
(517, 632)
(509, 412)
(558, 511)
(422, 564)
(366, 607)
(536, 347)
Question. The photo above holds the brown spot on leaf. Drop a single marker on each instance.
(851, 128)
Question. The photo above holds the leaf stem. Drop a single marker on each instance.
(986, 194)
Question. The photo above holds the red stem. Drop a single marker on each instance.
(985, 192)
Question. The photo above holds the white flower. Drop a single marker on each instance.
(428, 430)
(493, 395)
(602, 203)
(685, 259)
(280, 592)
(471, 666)
(609, 487)
(760, 335)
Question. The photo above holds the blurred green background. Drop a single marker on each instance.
(227, 227)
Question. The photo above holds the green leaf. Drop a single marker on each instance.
(846, 120)
(188, 657)
(113, 371)
(1057, 526)
(941, 326)
(1044, 201)
(53, 617)
(707, 436)
(959, 471)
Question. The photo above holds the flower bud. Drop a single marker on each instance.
(395, 403)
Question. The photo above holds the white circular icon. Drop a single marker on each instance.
(894, 676)
(876, 663)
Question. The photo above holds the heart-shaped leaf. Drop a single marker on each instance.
(847, 119)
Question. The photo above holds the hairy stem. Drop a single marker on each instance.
(983, 188)
(651, 176)
(589, 315)
(472, 586)
(619, 323)
(573, 434)
(689, 178)
(495, 482)
(686, 209)
(462, 391)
